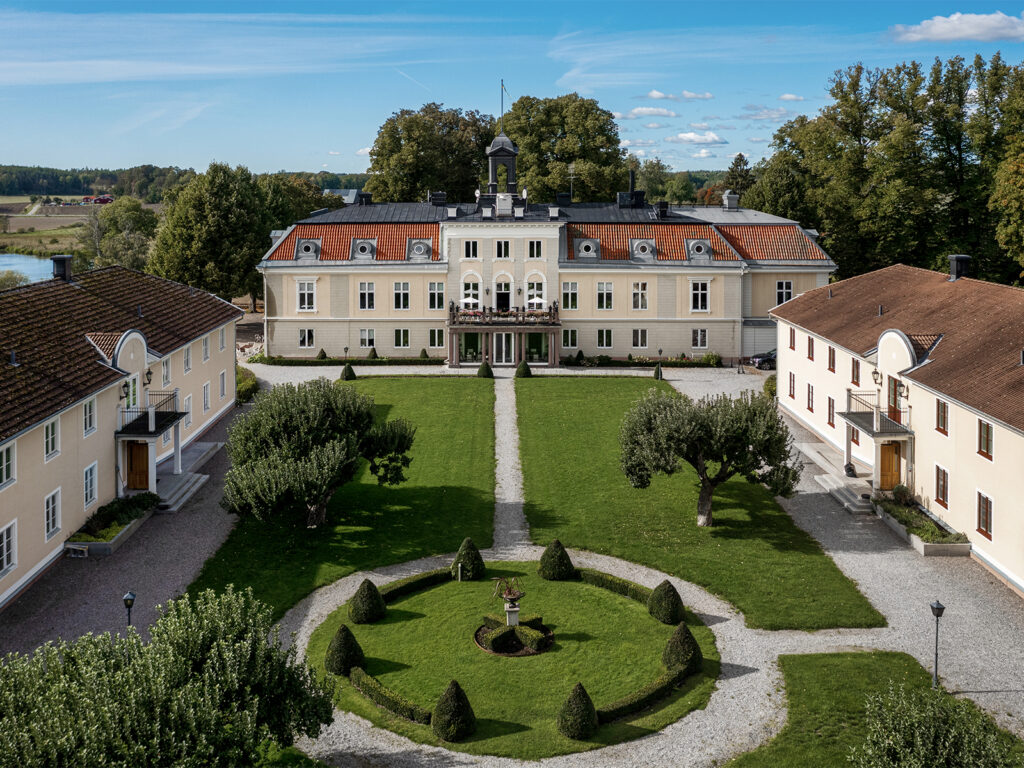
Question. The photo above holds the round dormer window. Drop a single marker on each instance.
(307, 248)
(587, 248)
(419, 249)
(643, 249)
(363, 249)
(698, 249)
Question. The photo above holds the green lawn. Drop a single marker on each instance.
(754, 556)
(449, 495)
(608, 642)
(827, 694)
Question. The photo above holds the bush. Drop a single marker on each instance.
(902, 495)
(682, 652)
(555, 564)
(711, 359)
(321, 355)
(523, 371)
(372, 354)
(771, 386)
(502, 639)
(120, 512)
(453, 718)
(531, 638)
(642, 698)
(658, 376)
(348, 373)
(468, 556)
(665, 604)
(344, 652)
(387, 699)
(366, 605)
(484, 371)
(577, 719)
(493, 621)
(919, 524)
(580, 357)
(424, 355)
(622, 587)
(246, 385)
(923, 727)
(408, 585)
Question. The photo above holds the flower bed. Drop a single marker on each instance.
(306, 361)
(114, 523)
(920, 531)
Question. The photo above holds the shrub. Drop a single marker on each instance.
(580, 357)
(657, 372)
(681, 651)
(622, 587)
(555, 564)
(468, 557)
(453, 718)
(641, 698)
(408, 585)
(771, 386)
(531, 638)
(246, 385)
(665, 604)
(493, 621)
(321, 355)
(372, 354)
(348, 373)
(484, 371)
(902, 495)
(523, 371)
(344, 652)
(577, 719)
(387, 699)
(629, 358)
(711, 359)
(424, 355)
(501, 639)
(923, 727)
(919, 524)
(366, 605)
(120, 512)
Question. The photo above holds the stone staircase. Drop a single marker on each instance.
(181, 492)
(176, 490)
(848, 491)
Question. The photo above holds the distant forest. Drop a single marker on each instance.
(145, 182)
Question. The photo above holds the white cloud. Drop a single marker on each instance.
(790, 97)
(712, 117)
(700, 126)
(691, 95)
(654, 126)
(332, 152)
(984, 27)
(636, 112)
(324, 165)
(691, 137)
(704, 153)
(637, 143)
(639, 153)
(757, 140)
(761, 112)
(363, 151)
(656, 94)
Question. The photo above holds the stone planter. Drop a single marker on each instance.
(923, 548)
(512, 614)
(103, 548)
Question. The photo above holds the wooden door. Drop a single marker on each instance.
(890, 470)
(138, 466)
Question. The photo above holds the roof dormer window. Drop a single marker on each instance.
(418, 250)
(588, 249)
(698, 250)
(363, 249)
(307, 249)
(642, 249)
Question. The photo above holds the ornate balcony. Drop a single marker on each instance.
(516, 316)
(874, 420)
(148, 420)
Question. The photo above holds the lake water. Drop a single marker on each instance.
(35, 267)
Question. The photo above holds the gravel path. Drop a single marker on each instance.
(510, 528)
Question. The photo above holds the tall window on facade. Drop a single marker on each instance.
(206, 348)
(792, 386)
(51, 439)
(436, 337)
(832, 359)
(223, 380)
(783, 291)
(831, 412)
(810, 347)
(6, 465)
(985, 439)
(604, 338)
(570, 295)
(366, 338)
(206, 397)
(435, 295)
(941, 487)
(51, 514)
(639, 338)
(698, 296)
(186, 357)
(810, 398)
(855, 372)
(502, 249)
(221, 339)
(89, 485)
(535, 295)
(569, 338)
(792, 338)
(941, 416)
(604, 295)
(984, 515)
(699, 338)
(187, 402)
(305, 338)
(472, 249)
(88, 417)
(366, 295)
(471, 294)
(307, 296)
(401, 337)
(640, 295)
(534, 249)
(165, 371)
(401, 295)
(8, 549)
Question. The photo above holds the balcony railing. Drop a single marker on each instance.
(864, 412)
(158, 416)
(491, 316)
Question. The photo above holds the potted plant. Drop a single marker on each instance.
(509, 590)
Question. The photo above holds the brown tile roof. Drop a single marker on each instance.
(336, 240)
(669, 239)
(48, 325)
(977, 360)
(760, 242)
(105, 342)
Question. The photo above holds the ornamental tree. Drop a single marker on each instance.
(718, 436)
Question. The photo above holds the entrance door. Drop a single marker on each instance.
(537, 347)
(504, 351)
(503, 297)
(894, 400)
(138, 466)
(469, 347)
(890, 471)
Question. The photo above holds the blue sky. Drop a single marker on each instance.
(304, 86)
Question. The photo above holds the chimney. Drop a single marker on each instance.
(958, 264)
(62, 268)
(563, 199)
(632, 181)
(140, 310)
(624, 199)
(730, 200)
(662, 209)
(881, 310)
(15, 363)
(638, 198)
(364, 198)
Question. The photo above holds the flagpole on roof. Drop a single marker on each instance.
(501, 120)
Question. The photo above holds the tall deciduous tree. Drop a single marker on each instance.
(679, 188)
(288, 199)
(720, 437)
(1007, 202)
(121, 233)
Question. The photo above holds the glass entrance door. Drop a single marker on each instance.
(504, 349)
(503, 297)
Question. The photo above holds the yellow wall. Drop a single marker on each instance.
(763, 288)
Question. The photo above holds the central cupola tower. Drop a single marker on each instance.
(501, 152)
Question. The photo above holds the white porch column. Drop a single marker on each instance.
(151, 454)
(848, 453)
(177, 448)
(876, 470)
(118, 455)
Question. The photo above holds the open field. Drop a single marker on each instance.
(41, 243)
(12, 204)
(754, 556)
(44, 223)
(449, 495)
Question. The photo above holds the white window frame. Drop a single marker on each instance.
(51, 439)
(535, 249)
(402, 338)
(88, 417)
(188, 411)
(700, 294)
(165, 371)
(534, 289)
(8, 465)
(502, 249)
(48, 531)
(472, 249)
(366, 340)
(701, 338)
(308, 291)
(640, 295)
(206, 347)
(306, 338)
(435, 338)
(186, 358)
(604, 338)
(367, 297)
(570, 338)
(435, 295)
(783, 291)
(471, 290)
(605, 295)
(9, 547)
(402, 301)
(206, 397)
(639, 338)
(222, 339)
(570, 294)
(90, 480)
(223, 384)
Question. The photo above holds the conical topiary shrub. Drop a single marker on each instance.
(580, 357)
(484, 371)
(366, 605)
(348, 373)
(424, 355)
(682, 651)
(472, 564)
(577, 719)
(665, 605)
(453, 718)
(657, 372)
(555, 564)
(344, 652)
(321, 355)
(523, 371)
(372, 354)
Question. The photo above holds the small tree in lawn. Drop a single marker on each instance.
(718, 436)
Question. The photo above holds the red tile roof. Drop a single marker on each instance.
(759, 242)
(105, 342)
(336, 240)
(669, 239)
(977, 360)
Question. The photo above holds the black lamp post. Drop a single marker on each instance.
(937, 609)
(129, 601)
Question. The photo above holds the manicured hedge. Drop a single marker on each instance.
(246, 385)
(493, 621)
(344, 653)
(603, 361)
(366, 605)
(642, 698)
(555, 563)
(577, 719)
(468, 556)
(665, 604)
(387, 699)
(295, 361)
(501, 640)
(615, 584)
(408, 585)
(453, 718)
(530, 637)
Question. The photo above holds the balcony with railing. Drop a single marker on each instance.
(157, 417)
(864, 412)
(516, 316)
